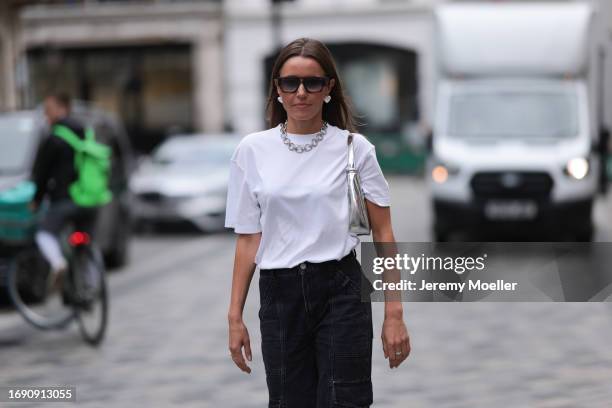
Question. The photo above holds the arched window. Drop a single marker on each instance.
(382, 84)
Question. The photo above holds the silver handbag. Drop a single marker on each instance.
(359, 222)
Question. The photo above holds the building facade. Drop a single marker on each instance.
(384, 52)
(170, 66)
(8, 54)
(156, 64)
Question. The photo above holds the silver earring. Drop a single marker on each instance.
(327, 99)
(280, 99)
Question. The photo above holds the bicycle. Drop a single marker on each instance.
(83, 294)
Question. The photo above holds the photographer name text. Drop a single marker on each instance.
(478, 285)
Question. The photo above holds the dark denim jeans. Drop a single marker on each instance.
(316, 335)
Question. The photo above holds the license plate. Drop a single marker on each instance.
(511, 210)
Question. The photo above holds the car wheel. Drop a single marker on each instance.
(440, 234)
(585, 235)
(118, 254)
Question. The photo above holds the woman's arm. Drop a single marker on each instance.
(394, 335)
(244, 267)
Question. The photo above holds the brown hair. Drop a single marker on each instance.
(61, 98)
(338, 111)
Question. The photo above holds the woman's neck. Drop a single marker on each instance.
(304, 127)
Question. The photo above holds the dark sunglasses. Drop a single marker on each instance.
(291, 84)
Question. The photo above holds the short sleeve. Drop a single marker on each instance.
(242, 211)
(373, 183)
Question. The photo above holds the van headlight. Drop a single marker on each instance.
(577, 168)
(441, 171)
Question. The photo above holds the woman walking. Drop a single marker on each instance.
(287, 201)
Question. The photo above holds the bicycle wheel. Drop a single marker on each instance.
(89, 292)
(30, 288)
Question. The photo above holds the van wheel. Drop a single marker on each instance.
(116, 258)
(585, 235)
(440, 234)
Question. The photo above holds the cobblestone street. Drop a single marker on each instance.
(167, 339)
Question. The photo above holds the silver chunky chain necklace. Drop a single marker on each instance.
(306, 147)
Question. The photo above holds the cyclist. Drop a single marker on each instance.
(53, 172)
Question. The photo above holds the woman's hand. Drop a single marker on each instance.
(239, 338)
(395, 340)
(244, 267)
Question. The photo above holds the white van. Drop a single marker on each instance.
(516, 140)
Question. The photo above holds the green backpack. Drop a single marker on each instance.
(92, 161)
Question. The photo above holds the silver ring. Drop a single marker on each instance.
(398, 353)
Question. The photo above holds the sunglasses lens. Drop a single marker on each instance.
(292, 83)
(289, 84)
(314, 84)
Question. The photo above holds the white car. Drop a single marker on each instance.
(185, 179)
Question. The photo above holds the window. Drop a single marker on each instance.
(513, 115)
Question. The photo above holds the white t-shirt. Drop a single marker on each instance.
(299, 201)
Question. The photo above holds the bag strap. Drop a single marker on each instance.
(351, 153)
(66, 134)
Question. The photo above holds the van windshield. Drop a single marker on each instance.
(18, 137)
(520, 115)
